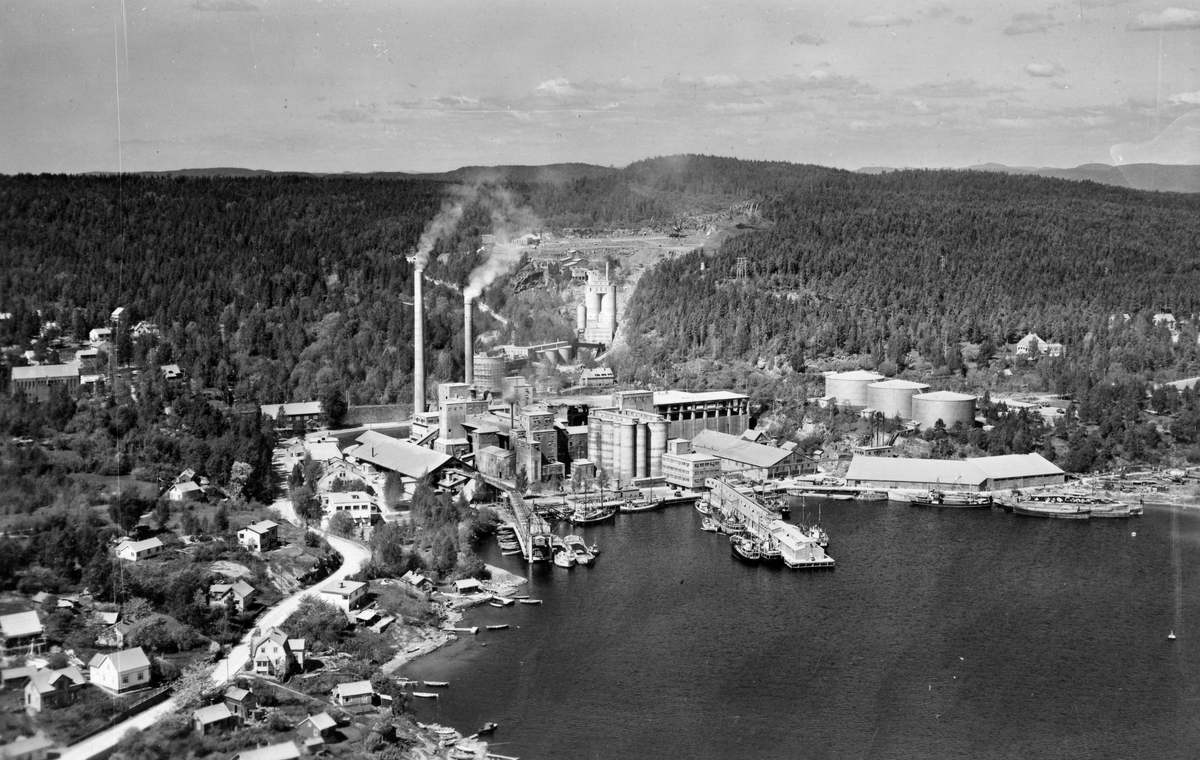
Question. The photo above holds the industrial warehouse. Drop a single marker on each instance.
(1001, 473)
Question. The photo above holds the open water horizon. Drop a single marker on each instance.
(941, 633)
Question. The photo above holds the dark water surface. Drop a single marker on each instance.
(942, 633)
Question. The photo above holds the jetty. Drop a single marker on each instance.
(798, 548)
(529, 527)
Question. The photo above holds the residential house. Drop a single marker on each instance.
(599, 377)
(272, 654)
(138, 551)
(241, 702)
(281, 751)
(16, 678)
(417, 581)
(345, 595)
(317, 729)
(468, 586)
(119, 672)
(116, 635)
(213, 719)
(170, 372)
(99, 336)
(21, 632)
(354, 693)
(262, 536)
(36, 747)
(361, 507)
(185, 491)
(53, 688)
(239, 591)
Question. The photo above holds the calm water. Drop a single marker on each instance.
(969, 633)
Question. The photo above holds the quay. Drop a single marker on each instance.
(798, 548)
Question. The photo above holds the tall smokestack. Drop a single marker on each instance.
(468, 342)
(418, 341)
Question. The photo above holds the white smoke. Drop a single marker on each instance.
(507, 216)
(441, 225)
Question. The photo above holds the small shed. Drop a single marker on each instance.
(213, 719)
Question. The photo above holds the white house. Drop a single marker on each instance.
(360, 506)
(136, 551)
(272, 654)
(99, 336)
(186, 491)
(262, 536)
(122, 671)
(345, 595)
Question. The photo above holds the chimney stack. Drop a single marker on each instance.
(468, 342)
(418, 341)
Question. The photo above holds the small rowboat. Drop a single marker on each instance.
(436, 683)
(530, 601)
(500, 627)
(425, 694)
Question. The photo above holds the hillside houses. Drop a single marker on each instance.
(120, 672)
(53, 688)
(139, 551)
(262, 536)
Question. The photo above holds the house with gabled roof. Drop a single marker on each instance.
(354, 693)
(316, 729)
(21, 632)
(272, 654)
(186, 490)
(53, 688)
(262, 536)
(139, 551)
(239, 591)
(119, 672)
(241, 702)
(281, 751)
(36, 747)
(213, 719)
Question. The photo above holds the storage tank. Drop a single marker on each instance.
(850, 388)
(894, 397)
(628, 456)
(581, 317)
(947, 406)
(591, 302)
(658, 446)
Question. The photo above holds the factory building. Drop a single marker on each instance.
(850, 388)
(998, 473)
(685, 468)
(628, 439)
(596, 317)
(35, 382)
(949, 407)
(753, 460)
(893, 398)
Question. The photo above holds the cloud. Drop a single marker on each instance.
(217, 6)
(1031, 23)
(753, 106)
(1169, 20)
(1043, 69)
(964, 20)
(937, 10)
(349, 116)
(1191, 98)
(884, 19)
(808, 38)
(956, 88)
(559, 88)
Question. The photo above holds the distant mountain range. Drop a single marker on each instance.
(1165, 177)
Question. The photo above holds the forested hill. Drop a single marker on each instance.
(928, 259)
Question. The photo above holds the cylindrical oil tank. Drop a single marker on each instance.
(581, 317)
(850, 388)
(658, 446)
(894, 397)
(947, 406)
(628, 451)
(643, 449)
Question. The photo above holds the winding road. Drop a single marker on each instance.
(354, 556)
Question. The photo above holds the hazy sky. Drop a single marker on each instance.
(412, 85)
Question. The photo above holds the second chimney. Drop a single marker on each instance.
(468, 343)
(418, 342)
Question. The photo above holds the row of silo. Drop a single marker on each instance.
(902, 398)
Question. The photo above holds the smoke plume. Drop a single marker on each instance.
(507, 216)
(444, 223)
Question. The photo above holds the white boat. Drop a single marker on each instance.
(702, 507)
(564, 558)
(425, 694)
(583, 555)
(1171, 636)
(707, 524)
(500, 627)
(530, 601)
(501, 601)
(435, 683)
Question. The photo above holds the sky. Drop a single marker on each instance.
(417, 85)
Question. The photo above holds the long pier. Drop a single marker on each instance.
(527, 524)
(798, 548)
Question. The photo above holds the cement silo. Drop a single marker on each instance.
(947, 406)
(658, 446)
(850, 388)
(894, 397)
(581, 317)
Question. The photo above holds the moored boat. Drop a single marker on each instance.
(1047, 509)
(769, 552)
(936, 498)
(499, 627)
(709, 525)
(540, 549)
(425, 694)
(702, 507)
(745, 548)
(592, 515)
(583, 556)
(641, 505)
(435, 684)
